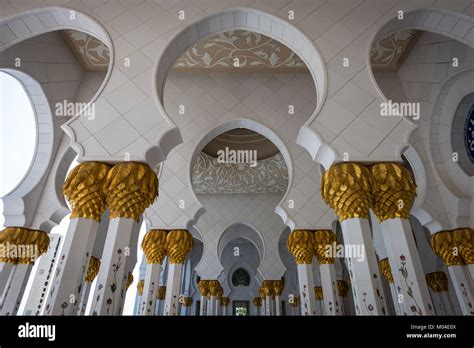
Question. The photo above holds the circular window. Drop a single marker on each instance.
(462, 134)
(18, 133)
(240, 278)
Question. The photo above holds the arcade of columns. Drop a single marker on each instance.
(350, 189)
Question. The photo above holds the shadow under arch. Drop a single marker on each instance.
(244, 231)
(256, 127)
(221, 21)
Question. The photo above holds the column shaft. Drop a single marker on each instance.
(16, 289)
(150, 288)
(306, 284)
(110, 289)
(278, 310)
(203, 307)
(44, 274)
(173, 288)
(329, 285)
(268, 305)
(408, 275)
(463, 288)
(211, 305)
(71, 269)
(365, 277)
(396, 303)
(84, 299)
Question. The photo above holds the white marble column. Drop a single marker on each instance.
(84, 190)
(218, 306)
(109, 292)
(438, 284)
(403, 256)
(347, 188)
(160, 300)
(212, 297)
(257, 302)
(44, 273)
(211, 301)
(21, 247)
(93, 269)
(6, 274)
(124, 180)
(301, 246)
(71, 269)
(363, 268)
(319, 296)
(224, 303)
(178, 244)
(203, 286)
(140, 285)
(463, 287)
(446, 246)
(324, 242)
(386, 271)
(267, 286)
(154, 248)
(278, 289)
(220, 293)
(16, 289)
(268, 305)
(464, 240)
(329, 285)
(148, 299)
(342, 290)
(394, 192)
(295, 306)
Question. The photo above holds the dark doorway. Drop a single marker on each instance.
(240, 308)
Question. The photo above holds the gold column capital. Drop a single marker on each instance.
(437, 281)
(21, 245)
(161, 293)
(384, 266)
(203, 286)
(323, 238)
(178, 244)
(342, 288)
(444, 246)
(154, 246)
(267, 286)
(130, 188)
(318, 292)
(225, 301)
(213, 287)
(464, 240)
(187, 301)
(278, 287)
(301, 245)
(220, 292)
(393, 191)
(261, 293)
(140, 285)
(347, 188)
(295, 302)
(257, 301)
(129, 280)
(93, 269)
(84, 190)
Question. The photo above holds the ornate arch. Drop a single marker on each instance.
(237, 18)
